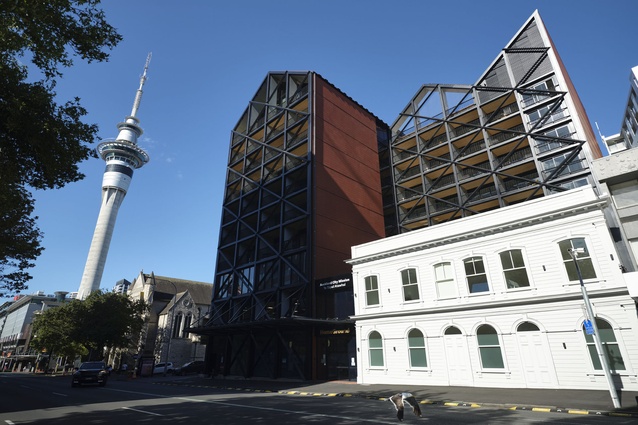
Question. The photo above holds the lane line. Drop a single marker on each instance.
(60, 394)
(142, 411)
(272, 409)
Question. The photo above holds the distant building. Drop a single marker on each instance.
(175, 306)
(494, 300)
(618, 177)
(16, 318)
(121, 286)
(628, 136)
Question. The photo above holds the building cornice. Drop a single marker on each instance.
(481, 231)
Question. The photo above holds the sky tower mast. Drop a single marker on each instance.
(122, 156)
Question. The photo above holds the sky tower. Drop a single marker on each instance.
(122, 156)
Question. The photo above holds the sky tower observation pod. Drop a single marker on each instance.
(130, 153)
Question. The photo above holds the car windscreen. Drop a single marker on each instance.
(92, 366)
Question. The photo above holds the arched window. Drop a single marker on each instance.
(610, 345)
(177, 326)
(444, 280)
(585, 263)
(489, 348)
(375, 343)
(410, 285)
(527, 327)
(514, 269)
(453, 330)
(416, 347)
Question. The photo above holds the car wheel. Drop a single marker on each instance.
(73, 385)
(102, 384)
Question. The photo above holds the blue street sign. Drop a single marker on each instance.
(589, 328)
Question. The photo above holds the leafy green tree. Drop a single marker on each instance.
(101, 320)
(41, 141)
(109, 320)
(53, 331)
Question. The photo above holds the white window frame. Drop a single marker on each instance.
(444, 280)
(593, 351)
(585, 259)
(420, 347)
(467, 276)
(370, 291)
(500, 347)
(375, 350)
(514, 268)
(410, 285)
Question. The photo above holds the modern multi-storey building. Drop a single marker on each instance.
(519, 133)
(303, 185)
(628, 136)
(311, 173)
(16, 319)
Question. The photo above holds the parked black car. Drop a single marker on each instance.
(90, 373)
(196, 366)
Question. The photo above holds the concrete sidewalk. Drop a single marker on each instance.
(568, 401)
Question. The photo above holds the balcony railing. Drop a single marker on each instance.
(506, 135)
(482, 168)
(503, 112)
(405, 194)
(549, 119)
(464, 129)
(400, 155)
(546, 144)
(516, 156)
(516, 184)
(442, 182)
(483, 193)
(411, 172)
(435, 141)
(573, 167)
(474, 147)
(435, 163)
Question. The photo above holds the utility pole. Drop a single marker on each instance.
(604, 361)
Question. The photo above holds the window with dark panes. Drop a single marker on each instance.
(475, 275)
(514, 269)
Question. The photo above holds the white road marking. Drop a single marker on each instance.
(60, 394)
(142, 411)
(272, 409)
(8, 422)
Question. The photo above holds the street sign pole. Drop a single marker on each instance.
(596, 335)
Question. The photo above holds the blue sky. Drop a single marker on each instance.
(209, 58)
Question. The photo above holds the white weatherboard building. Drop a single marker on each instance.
(494, 300)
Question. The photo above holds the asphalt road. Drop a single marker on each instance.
(29, 399)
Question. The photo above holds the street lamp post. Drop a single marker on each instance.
(604, 361)
(170, 328)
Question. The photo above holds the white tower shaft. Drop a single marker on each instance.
(122, 156)
(111, 200)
